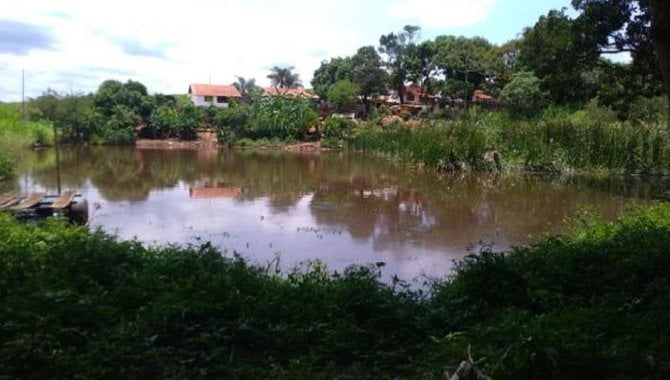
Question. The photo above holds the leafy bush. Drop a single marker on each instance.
(231, 122)
(285, 118)
(190, 118)
(649, 110)
(6, 166)
(522, 95)
(17, 135)
(344, 95)
(163, 123)
(337, 128)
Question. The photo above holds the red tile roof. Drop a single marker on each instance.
(287, 92)
(214, 90)
(214, 192)
(481, 95)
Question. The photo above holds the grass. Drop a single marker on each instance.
(589, 304)
(552, 145)
(16, 135)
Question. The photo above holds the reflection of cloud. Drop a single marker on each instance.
(20, 38)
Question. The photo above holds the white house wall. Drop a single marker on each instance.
(199, 100)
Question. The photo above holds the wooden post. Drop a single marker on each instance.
(57, 156)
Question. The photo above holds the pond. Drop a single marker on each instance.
(339, 208)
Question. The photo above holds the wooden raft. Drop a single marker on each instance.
(29, 202)
(63, 200)
(9, 200)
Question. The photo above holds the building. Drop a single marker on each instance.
(213, 94)
(479, 96)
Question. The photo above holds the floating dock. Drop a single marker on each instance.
(37, 206)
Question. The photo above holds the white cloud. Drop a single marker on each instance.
(174, 43)
(442, 13)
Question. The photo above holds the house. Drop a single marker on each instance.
(291, 92)
(413, 96)
(213, 94)
(217, 189)
(485, 100)
(480, 96)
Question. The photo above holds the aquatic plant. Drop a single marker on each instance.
(536, 145)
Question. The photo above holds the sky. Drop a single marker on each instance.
(73, 45)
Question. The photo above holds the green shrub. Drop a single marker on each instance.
(649, 110)
(522, 95)
(230, 123)
(337, 128)
(163, 123)
(285, 118)
(344, 95)
(7, 165)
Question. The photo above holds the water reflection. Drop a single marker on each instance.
(341, 208)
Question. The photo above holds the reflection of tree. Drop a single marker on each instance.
(453, 211)
(368, 197)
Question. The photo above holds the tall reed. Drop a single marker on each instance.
(545, 145)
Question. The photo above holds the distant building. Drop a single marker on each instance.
(479, 96)
(413, 96)
(213, 94)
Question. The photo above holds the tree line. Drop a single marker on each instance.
(559, 60)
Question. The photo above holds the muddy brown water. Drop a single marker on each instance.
(339, 208)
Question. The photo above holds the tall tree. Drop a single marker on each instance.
(464, 62)
(397, 48)
(367, 73)
(422, 65)
(284, 78)
(660, 30)
(555, 51)
(615, 26)
(329, 73)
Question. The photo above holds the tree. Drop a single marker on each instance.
(555, 51)
(68, 112)
(284, 78)
(344, 95)
(522, 94)
(367, 73)
(132, 95)
(616, 26)
(398, 48)
(329, 73)
(465, 62)
(422, 65)
(660, 24)
(246, 87)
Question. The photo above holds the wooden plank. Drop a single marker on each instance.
(63, 200)
(9, 199)
(29, 202)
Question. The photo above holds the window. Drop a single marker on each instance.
(222, 99)
(410, 97)
(208, 98)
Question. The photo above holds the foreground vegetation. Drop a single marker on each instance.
(590, 304)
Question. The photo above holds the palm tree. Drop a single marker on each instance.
(282, 77)
(245, 86)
